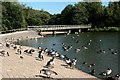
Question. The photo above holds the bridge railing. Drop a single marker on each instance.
(58, 26)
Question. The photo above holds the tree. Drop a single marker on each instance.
(12, 15)
(66, 15)
(80, 14)
(95, 10)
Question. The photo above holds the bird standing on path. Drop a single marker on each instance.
(48, 72)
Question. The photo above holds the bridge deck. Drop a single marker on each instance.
(59, 27)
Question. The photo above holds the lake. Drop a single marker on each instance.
(101, 49)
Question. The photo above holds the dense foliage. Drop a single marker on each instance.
(90, 13)
(17, 15)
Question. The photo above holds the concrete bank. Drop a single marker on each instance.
(28, 67)
(19, 35)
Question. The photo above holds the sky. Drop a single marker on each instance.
(51, 7)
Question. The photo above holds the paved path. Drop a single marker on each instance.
(28, 67)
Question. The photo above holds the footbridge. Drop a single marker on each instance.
(55, 28)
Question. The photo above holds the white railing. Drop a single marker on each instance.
(58, 27)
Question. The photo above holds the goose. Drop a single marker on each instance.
(7, 44)
(88, 43)
(40, 55)
(21, 57)
(15, 47)
(110, 49)
(90, 40)
(62, 56)
(117, 76)
(74, 61)
(69, 47)
(84, 62)
(77, 50)
(77, 41)
(65, 48)
(71, 63)
(114, 52)
(103, 51)
(93, 72)
(3, 52)
(91, 65)
(8, 54)
(46, 50)
(107, 72)
(57, 54)
(63, 43)
(39, 47)
(1, 45)
(68, 61)
(85, 47)
(20, 47)
(50, 63)
(53, 44)
(48, 72)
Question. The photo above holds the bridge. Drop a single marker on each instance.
(54, 28)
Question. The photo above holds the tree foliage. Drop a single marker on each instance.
(12, 16)
(17, 15)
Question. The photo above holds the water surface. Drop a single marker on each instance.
(100, 41)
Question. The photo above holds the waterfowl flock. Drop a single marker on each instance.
(71, 63)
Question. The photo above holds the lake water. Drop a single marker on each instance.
(92, 55)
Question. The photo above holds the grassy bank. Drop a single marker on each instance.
(106, 29)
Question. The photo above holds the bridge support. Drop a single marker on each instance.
(53, 32)
(79, 30)
(84, 30)
(69, 31)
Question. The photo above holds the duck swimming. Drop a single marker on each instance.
(107, 72)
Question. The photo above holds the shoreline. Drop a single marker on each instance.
(31, 63)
